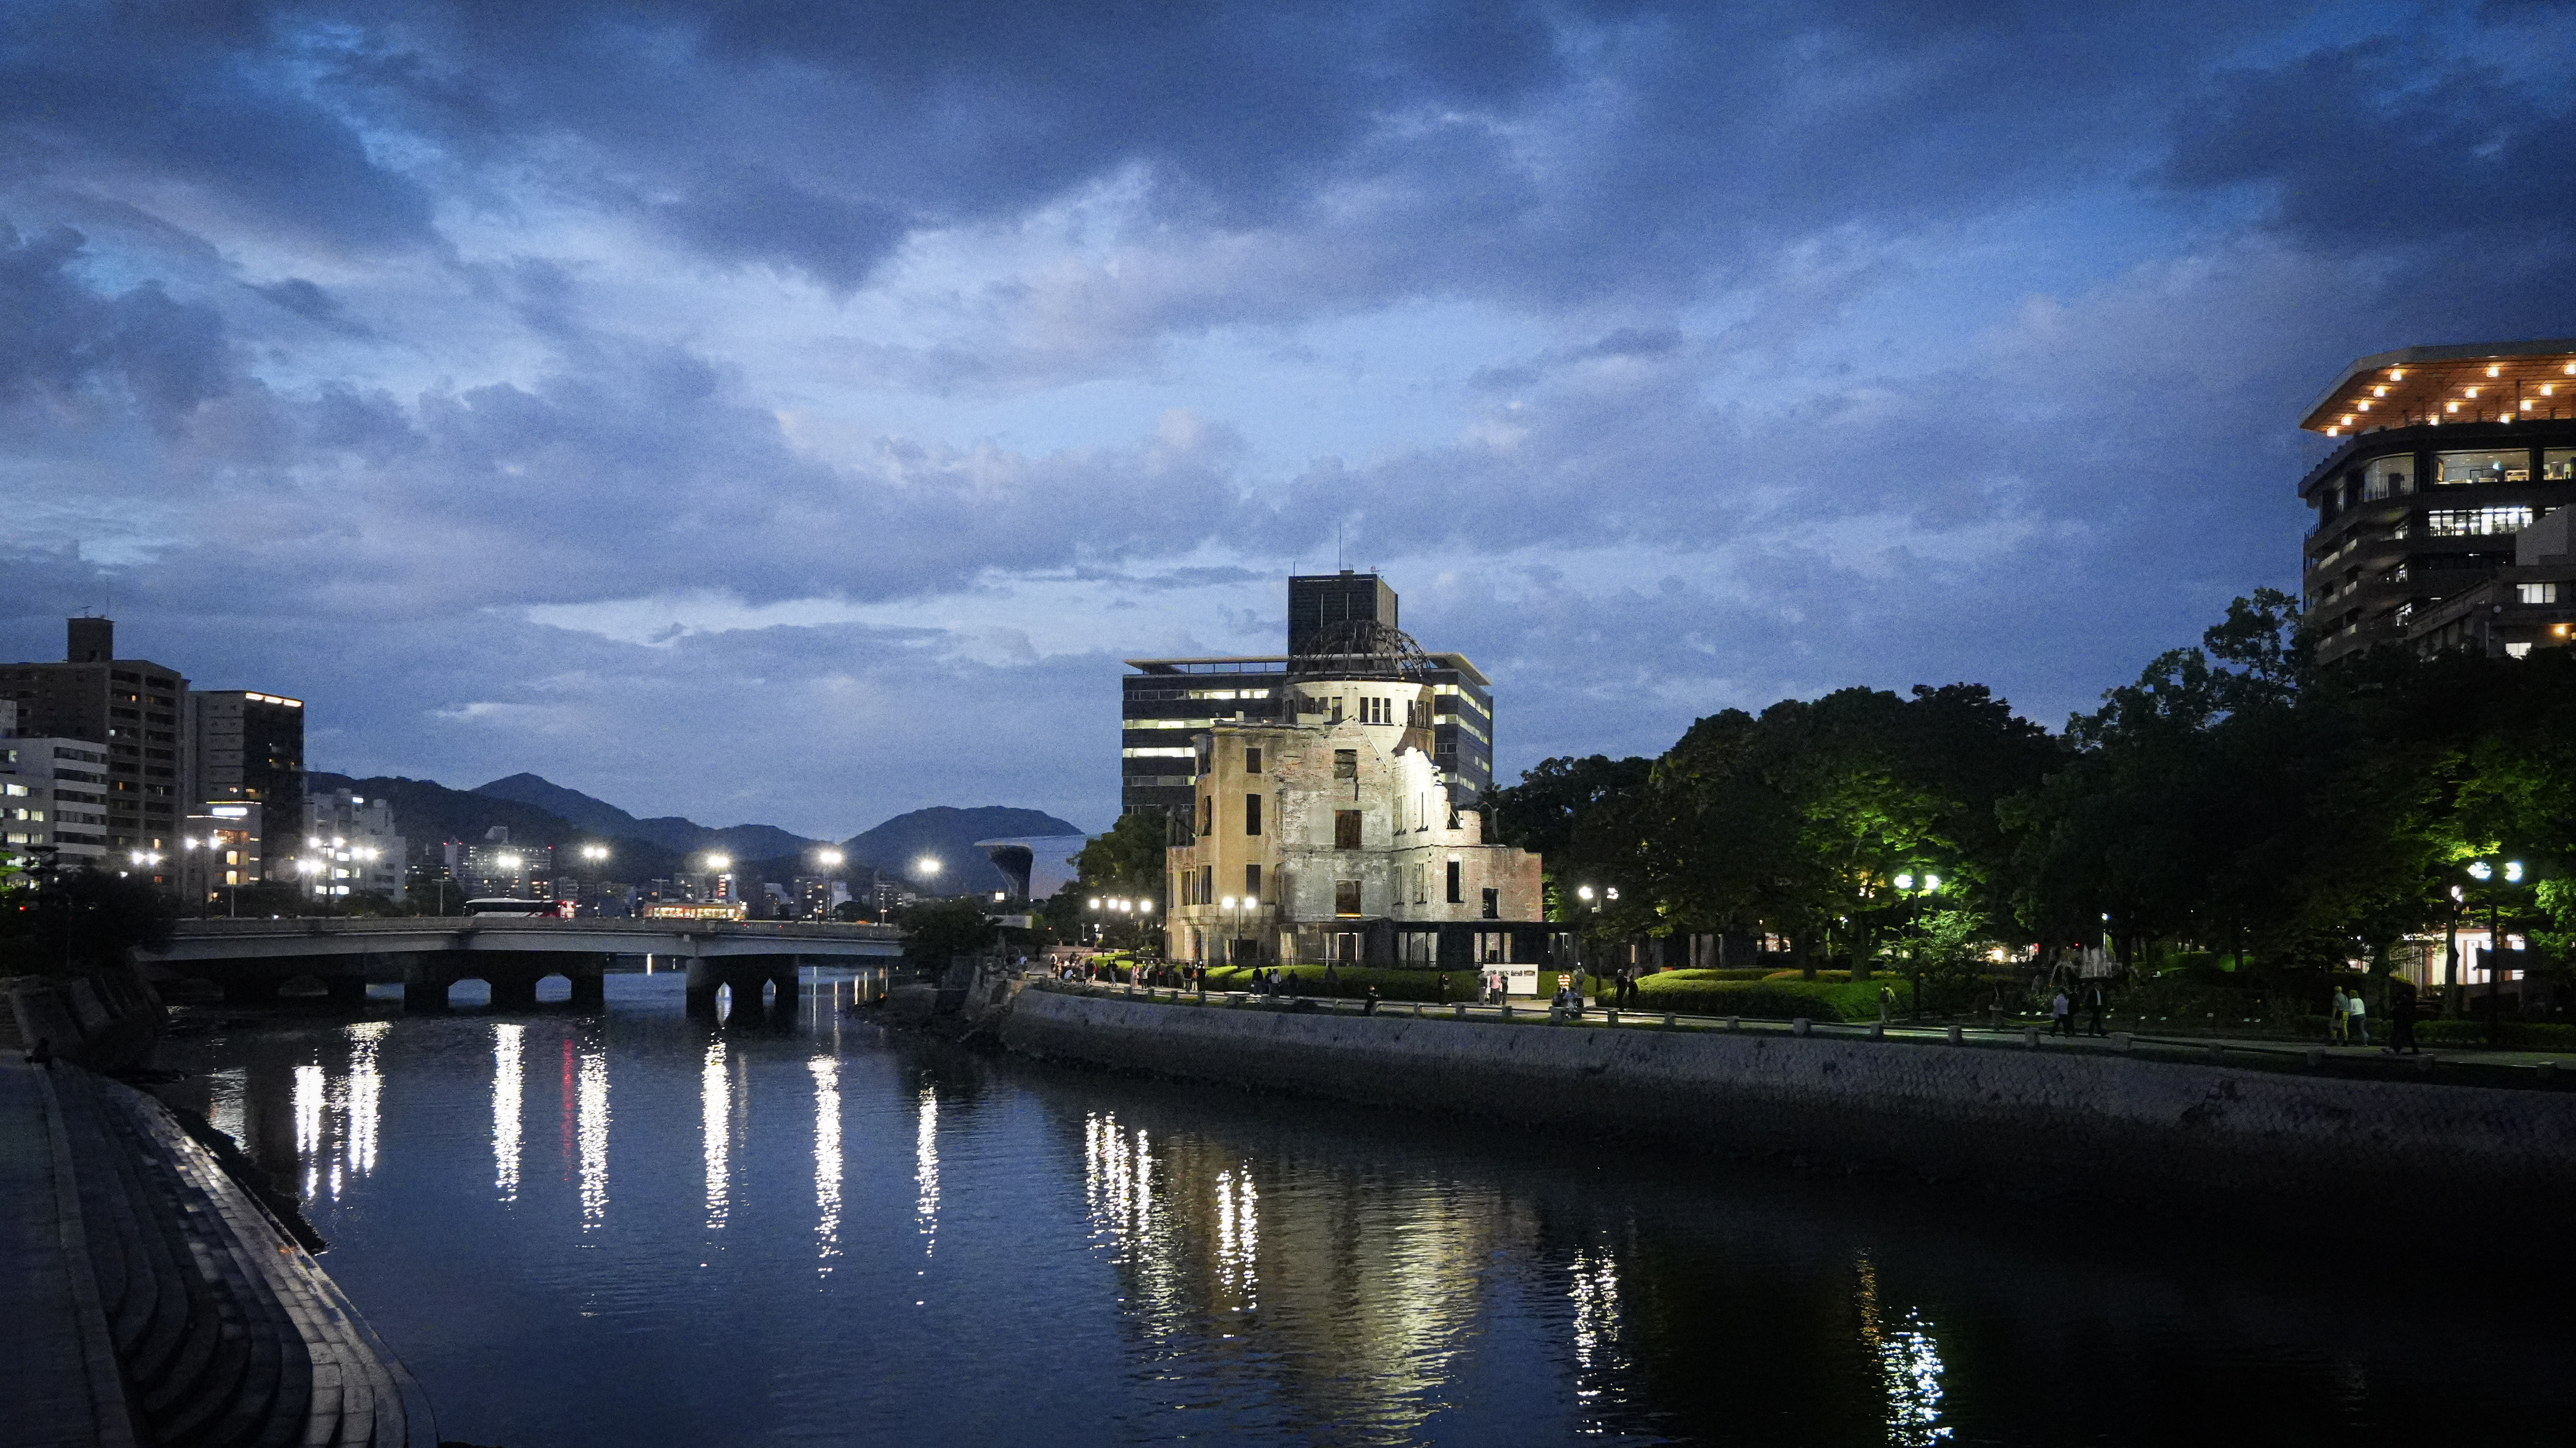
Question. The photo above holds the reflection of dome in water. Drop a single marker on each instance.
(1361, 648)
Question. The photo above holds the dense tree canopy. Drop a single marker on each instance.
(2236, 798)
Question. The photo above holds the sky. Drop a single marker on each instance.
(794, 413)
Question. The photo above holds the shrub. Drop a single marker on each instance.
(1774, 1000)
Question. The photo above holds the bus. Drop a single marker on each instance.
(534, 909)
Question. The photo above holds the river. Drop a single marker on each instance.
(631, 1227)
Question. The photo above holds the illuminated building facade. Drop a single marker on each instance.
(2446, 457)
(351, 846)
(1333, 834)
(221, 850)
(499, 870)
(1165, 701)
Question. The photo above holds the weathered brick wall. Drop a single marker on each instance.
(2209, 1135)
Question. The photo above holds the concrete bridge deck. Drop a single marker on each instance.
(251, 959)
(193, 941)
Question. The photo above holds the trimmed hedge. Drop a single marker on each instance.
(1771, 1000)
(1392, 984)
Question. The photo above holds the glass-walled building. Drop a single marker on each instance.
(1165, 702)
(2446, 455)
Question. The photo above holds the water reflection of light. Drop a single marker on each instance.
(827, 1159)
(225, 1101)
(366, 1095)
(715, 1117)
(1909, 1365)
(592, 1105)
(508, 1080)
(925, 1170)
(310, 1089)
(1238, 1235)
(1595, 1291)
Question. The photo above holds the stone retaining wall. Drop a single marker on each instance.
(2039, 1120)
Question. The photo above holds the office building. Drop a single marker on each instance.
(53, 797)
(250, 749)
(1334, 620)
(1332, 833)
(351, 846)
(132, 712)
(2445, 456)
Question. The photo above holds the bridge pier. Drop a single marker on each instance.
(426, 995)
(347, 991)
(747, 974)
(514, 990)
(590, 987)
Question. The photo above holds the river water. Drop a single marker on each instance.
(631, 1227)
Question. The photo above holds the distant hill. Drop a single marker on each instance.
(537, 811)
(948, 835)
(671, 832)
(428, 812)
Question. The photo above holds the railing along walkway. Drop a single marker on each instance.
(2525, 1070)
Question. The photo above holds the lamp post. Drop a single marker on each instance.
(2485, 873)
(1916, 890)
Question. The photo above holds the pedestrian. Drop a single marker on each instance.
(1440, 988)
(1370, 1008)
(2337, 1015)
(2401, 1020)
(1886, 1005)
(1332, 980)
(2360, 1021)
(2094, 1005)
(2061, 1021)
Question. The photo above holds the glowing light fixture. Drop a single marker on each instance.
(2494, 371)
(2480, 870)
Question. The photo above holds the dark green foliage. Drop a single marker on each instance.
(940, 929)
(77, 922)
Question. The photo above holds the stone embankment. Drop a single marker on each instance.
(2090, 1122)
(148, 1299)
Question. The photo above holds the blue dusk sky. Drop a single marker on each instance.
(795, 412)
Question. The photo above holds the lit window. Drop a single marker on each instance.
(2388, 477)
(2456, 468)
(2535, 593)
(2476, 522)
(2517, 651)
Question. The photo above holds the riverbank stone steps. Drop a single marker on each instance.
(2194, 1134)
(225, 1333)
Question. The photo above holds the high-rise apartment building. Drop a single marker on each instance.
(131, 711)
(1334, 621)
(2425, 533)
(250, 749)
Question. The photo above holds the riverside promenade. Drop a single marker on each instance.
(146, 1299)
(2215, 1126)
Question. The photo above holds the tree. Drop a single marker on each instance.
(940, 930)
(79, 920)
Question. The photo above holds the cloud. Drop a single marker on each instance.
(567, 385)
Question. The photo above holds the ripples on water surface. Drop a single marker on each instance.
(635, 1228)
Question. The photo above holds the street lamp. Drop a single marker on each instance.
(594, 853)
(2485, 874)
(828, 859)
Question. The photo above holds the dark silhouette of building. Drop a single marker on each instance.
(135, 709)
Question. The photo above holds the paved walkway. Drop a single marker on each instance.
(58, 1375)
(2454, 1063)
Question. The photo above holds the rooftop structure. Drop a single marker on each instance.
(2445, 455)
(1348, 629)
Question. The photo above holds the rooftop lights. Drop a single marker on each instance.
(2494, 370)
(2396, 374)
(2468, 392)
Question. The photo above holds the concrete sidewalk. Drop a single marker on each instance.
(58, 1373)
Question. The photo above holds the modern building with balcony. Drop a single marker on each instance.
(2445, 456)
(1164, 702)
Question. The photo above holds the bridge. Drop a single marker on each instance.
(250, 959)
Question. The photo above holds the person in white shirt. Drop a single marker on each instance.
(2360, 1022)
